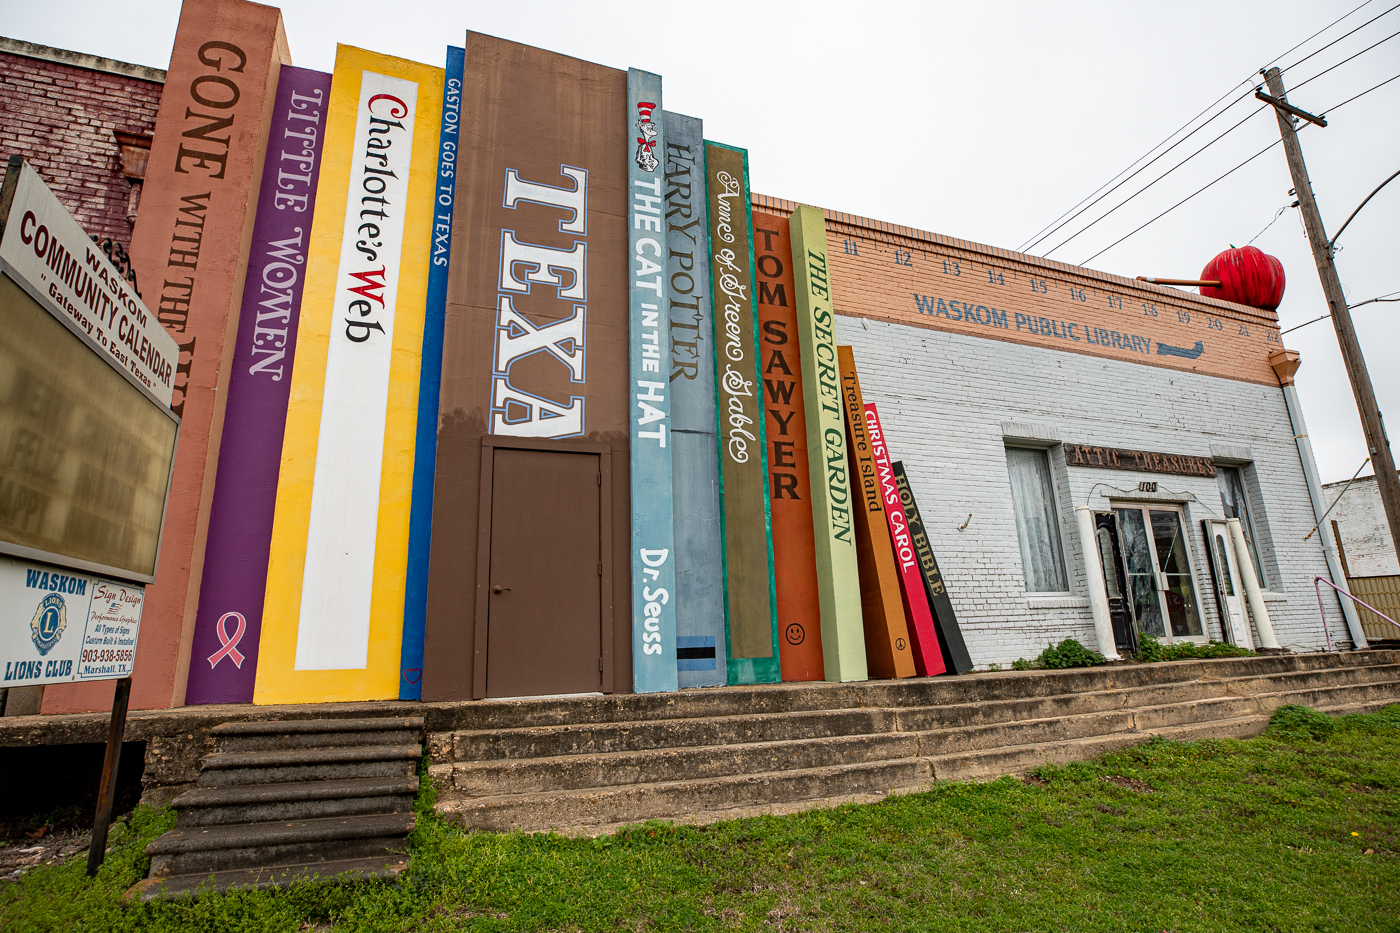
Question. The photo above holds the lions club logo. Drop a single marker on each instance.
(49, 621)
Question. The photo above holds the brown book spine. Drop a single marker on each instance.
(886, 629)
(789, 484)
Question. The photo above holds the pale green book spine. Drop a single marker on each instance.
(838, 580)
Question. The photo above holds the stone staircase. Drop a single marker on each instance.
(590, 764)
(284, 800)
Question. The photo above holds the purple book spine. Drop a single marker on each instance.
(224, 652)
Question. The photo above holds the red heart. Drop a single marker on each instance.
(412, 674)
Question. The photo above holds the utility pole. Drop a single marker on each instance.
(1377, 443)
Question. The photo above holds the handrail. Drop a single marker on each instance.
(1317, 589)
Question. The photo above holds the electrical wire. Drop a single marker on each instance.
(1271, 223)
(1154, 181)
(1183, 201)
(1337, 107)
(1144, 168)
(1321, 31)
(1042, 233)
(1338, 39)
(1229, 173)
(1343, 61)
(1369, 301)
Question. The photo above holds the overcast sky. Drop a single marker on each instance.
(985, 121)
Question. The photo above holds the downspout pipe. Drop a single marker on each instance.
(1285, 364)
(1098, 590)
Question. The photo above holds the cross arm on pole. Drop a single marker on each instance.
(1286, 107)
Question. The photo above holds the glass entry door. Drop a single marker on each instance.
(1161, 588)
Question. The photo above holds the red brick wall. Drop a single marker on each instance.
(61, 118)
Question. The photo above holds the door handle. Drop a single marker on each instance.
(500, 589)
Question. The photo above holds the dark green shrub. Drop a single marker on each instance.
(1300, 722)
(1150, 649)
(1021, 664)
(1068, 653)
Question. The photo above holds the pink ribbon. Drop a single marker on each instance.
(228, 642)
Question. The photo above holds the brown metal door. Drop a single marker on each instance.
(544, 619)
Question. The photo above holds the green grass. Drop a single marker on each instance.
(1296, 830)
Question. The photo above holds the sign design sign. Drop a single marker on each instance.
(653, 538)
(886, 629)
(751, 606)
(420, 530)
(789, 485)
(928, 659)
(950, 637)
(838, 579)
(59, 626)
(1142, 461)
(333, 615)
(700, 640)
(259, 384)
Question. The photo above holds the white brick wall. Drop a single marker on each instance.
(949, 402)
(1365, 533)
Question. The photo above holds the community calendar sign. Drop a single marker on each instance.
(59, 625)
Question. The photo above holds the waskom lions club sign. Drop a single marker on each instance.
(58, 626)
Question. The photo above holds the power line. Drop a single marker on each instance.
(1041, 234)
(1031, 245)
(1194, 154)
(1339, 64)
(1386, 298)
(1183, 201)
(1338, 39)
(1319, 32)
(1154, 181)
(1229, 173)
(1358, 96)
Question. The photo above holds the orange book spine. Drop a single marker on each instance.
(882, 605)
(789, 486)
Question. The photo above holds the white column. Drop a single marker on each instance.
(1319, 507)
(1251, 585)
(1098, 592)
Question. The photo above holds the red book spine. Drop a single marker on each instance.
(928, 659)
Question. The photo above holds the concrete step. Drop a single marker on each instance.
(599, 738)
(942, 742)
(291, 842)
(281, 876)
(611, 769)
(678, 799)
(308, 764)
(1211, 709)
(1255, 684)
(924, 719)
(1324, 697)
(259, 803)
(914, 692)
(990, 763)
(271, 735)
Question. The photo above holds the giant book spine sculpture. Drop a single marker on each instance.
(886, 630)
(750, 605)
(700, 640)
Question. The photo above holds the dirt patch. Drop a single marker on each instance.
(1034, 781)
(19, 855)
(1127, 783)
